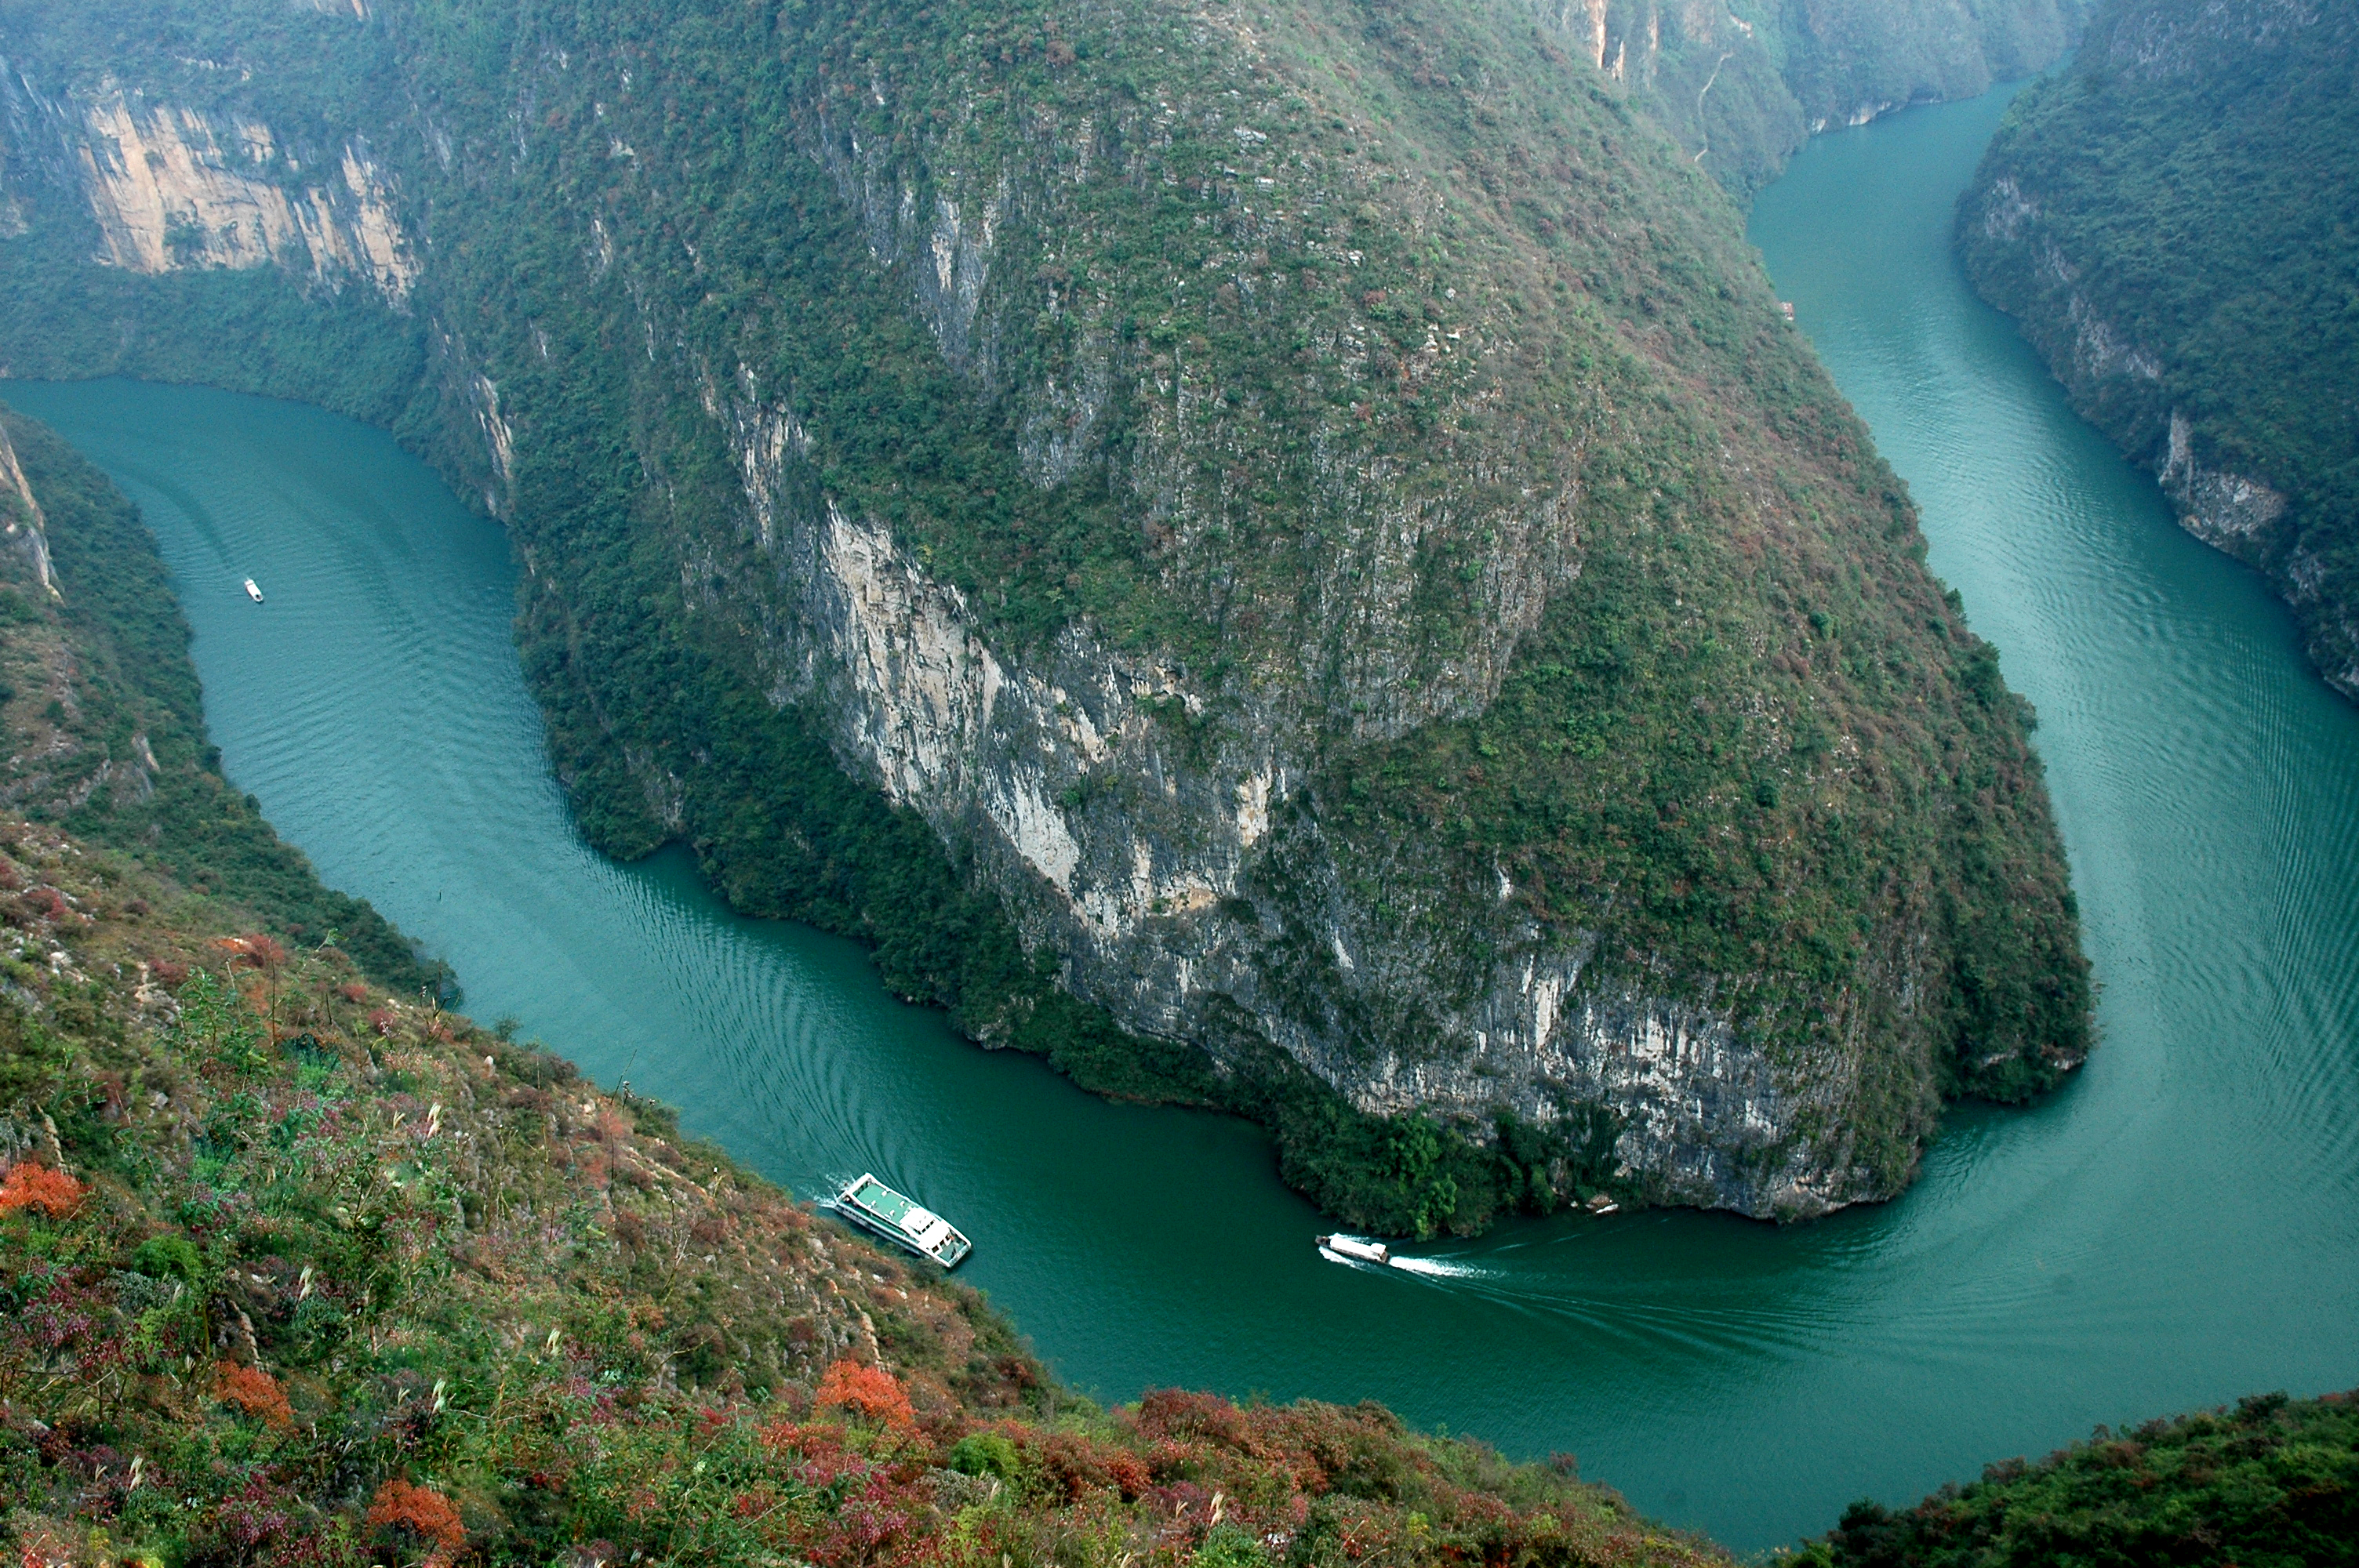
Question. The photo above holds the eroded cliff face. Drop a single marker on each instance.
(170, 189)
(26, 528)
(2043, 231)
(1192, 891)
(172, 186)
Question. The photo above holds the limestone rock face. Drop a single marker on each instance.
(1196, 898)
(171, 186)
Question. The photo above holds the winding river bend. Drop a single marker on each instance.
(2178, 1227)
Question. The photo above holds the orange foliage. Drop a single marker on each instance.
(54, 1193)
(422, 1510)
(255, 1392)
(870, 1391)
(353, 991)
(253, 949)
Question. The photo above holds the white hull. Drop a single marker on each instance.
(1351, 1249)
(895, 1217)
(252, 592)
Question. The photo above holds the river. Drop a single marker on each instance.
(2178, 1227)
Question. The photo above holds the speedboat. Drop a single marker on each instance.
(1351, 1249)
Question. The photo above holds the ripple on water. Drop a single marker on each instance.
(2174, 1228)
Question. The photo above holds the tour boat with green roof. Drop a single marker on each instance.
(900, 1220)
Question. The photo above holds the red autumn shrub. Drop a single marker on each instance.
(1176, 1412)
(171, 974)
(1080, 1466)
(871, 1390)
(382, 1021)
(424, 1512)
(48, 902)
(255, 1392)
(353, 991)
(28, 1186)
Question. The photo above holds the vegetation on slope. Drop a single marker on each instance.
(107, 723)
(292, 1271)
(2270, 1484)
(2176, 221)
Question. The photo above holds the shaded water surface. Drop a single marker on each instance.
(2179, 1227)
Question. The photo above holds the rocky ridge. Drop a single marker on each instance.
(1278, 699)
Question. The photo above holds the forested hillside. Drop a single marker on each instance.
(1283, 557)
(2175, 220)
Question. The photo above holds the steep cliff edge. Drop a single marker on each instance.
(1740, 83)
(1314, 509)
(2170, 222)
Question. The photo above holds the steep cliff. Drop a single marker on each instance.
(1740, 83)
(2171, 222)
(1315, 509)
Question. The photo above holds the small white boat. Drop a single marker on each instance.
(1351, 1249)
(253, 591)
(900, 1220)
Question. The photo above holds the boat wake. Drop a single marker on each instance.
(1443, 1269)
(1353, 1252)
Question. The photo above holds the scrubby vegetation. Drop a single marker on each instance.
(2270, 1484)
(293, 1270)
(2172, 219)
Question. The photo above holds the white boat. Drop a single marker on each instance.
(1351, 1249)
(898, 1219)
(253, 591)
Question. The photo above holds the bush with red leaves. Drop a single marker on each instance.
(255, 1392)
(424, 1513)
(871, 1391)
(28, 1186)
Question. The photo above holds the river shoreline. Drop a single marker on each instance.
(2027, 1288)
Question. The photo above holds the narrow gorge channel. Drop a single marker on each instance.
(2177, 1227)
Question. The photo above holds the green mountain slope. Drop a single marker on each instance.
(2270, 1483)
(2172, 220)
(1314, 509)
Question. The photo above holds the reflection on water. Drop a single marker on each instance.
(2176, 1228)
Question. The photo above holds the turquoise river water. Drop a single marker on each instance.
(2178, 1227)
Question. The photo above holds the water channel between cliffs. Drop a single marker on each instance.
(2179, 1227)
